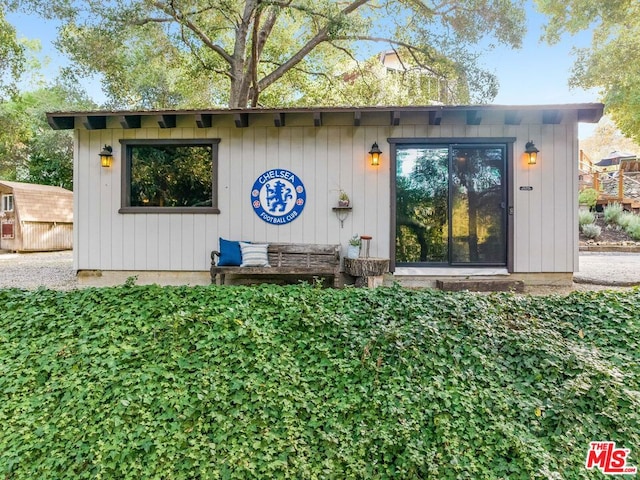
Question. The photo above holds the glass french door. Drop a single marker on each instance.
(451, 204)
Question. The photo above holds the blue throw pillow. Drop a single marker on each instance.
(230, 253)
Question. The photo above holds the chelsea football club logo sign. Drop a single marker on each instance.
(278, 196)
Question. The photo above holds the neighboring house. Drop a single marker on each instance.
(401, 81)
(454, 194)
(438, 87)
(35, 218)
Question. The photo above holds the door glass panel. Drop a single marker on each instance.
(422, 204)
(477, 205)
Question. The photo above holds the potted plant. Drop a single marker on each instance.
(353, 250)
(343, 199)
(588, 198)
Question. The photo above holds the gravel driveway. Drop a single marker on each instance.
(33, 270)
(55, 270)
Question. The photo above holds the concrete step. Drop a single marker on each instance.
(481, 285)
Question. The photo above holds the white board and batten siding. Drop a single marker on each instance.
(326, 158)
(323, 158)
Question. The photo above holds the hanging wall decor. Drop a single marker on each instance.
(278, 196)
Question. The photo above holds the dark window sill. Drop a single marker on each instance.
(170, 210)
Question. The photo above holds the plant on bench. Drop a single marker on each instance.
(275, 259)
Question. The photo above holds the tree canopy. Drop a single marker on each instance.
(11, 54)
(30, 151)
(197, 53)
(612, 63)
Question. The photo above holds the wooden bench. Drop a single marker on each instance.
(293, 259)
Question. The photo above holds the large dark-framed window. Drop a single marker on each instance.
(170, 176)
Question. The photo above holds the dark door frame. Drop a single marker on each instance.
(448, 141)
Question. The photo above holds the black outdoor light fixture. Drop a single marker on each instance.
(375, 154)
(531, 150)
(106, 156)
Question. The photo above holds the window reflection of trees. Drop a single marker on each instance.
(421, 208)
(171, 176)
(477, 209)
(477, 228)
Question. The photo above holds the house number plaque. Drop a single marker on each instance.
(526, 188)
(278, 196)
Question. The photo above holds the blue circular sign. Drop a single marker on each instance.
(278, 196)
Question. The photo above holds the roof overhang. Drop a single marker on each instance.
(433, 114)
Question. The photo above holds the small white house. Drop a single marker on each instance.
(488, 191)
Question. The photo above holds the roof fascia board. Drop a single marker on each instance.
(552, 114)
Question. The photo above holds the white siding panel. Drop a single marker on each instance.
(188, 242)
(572, 200)
(325, 191)
(310, 214)
(128, 235)
(80, 200)
(139, 243)
(547, 200)
(232, 209)
(175, 242)
(164, 242)
(153, 236)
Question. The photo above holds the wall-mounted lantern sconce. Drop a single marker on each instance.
(106, 156)
(532, 153)
(375, 153)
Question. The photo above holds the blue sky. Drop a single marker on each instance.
(536, 74)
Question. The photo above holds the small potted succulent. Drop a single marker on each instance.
(353, 250)
(343, 199)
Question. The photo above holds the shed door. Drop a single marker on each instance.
(451, 205)
(7, 229)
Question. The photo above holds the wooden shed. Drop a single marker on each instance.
(35, 218)
(454, 194)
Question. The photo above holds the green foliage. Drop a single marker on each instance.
(612, 213)
(196, 53)
(591, 230)
(588, 196)
(30, 151)
(171, 175)
(12, 57)
(610, 64)
(630, 222)
(585, 217)
(633, 227)
(626, 219)
(302, 383)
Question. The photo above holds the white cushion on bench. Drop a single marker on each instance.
(254, 254)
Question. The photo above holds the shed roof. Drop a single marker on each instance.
(41, 203)
(204, 118)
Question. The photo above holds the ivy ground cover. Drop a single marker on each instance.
(306, 383)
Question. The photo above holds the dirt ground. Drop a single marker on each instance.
(54, 270)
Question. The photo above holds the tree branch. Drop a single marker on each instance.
(181, 19)
(318, 38)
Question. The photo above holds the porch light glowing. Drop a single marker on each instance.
(106, 156)
(531, 150)
(375, 154)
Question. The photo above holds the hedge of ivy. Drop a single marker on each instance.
(304, 383)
